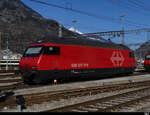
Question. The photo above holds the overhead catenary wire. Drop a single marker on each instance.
(129, 22)
(139, 5)
(77, 11)
(131, 7)
(127, 5)
(101, 17)
(121, 4)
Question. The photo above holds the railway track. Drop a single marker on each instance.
(7, 75)
(11, 80)
(6, 79)
(18, 85)
(9, 71)
(37, 98)
(12, 77)
(15, 86)
(120, 102)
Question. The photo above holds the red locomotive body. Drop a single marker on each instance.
(147, 62)
(43, 62)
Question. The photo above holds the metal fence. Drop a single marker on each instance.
(9, 64)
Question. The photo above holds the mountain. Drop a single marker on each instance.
(20, 26)
(75, 30)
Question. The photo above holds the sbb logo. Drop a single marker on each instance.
(117, 59)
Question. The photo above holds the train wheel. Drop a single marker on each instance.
(129, 73)
(29, 80)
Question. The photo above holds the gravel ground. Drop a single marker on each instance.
(8, 78)
(142, 107)
(7, 74)
(55, 104)
(64, 102)
(83, 84)
(145, 108)
(7, 84)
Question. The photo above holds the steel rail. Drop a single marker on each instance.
(108, 104)
(67, 94)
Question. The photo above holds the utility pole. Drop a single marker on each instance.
(148, 35)
(74, 21)
(7, 54)
(123, 38)
(60, 30)
(0, 44)
(0, 40)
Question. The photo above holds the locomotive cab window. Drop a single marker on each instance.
(52, 50)
(147, 57)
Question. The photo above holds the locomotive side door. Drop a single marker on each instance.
(131, 59)
(53, 57)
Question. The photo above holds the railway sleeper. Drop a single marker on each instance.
(115, 102)
(105, 105)
(76, 110)
(148, 100)
(128, 104)
(136, 104)
(76, 94)
(129, 97)
(95, 107)
(88, 109)
(98, 105)
(112, 104)
(124, 100)
(119, 101)
(129, 108)
(91, 106)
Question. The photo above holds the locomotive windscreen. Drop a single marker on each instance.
(147, 57)
(32, 51)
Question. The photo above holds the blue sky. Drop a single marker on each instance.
(107, 15)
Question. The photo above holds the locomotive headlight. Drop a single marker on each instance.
(34, 68)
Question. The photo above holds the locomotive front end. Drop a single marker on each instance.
(29, 63)
(40, 63)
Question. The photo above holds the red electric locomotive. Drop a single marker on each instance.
(147, 62)
(67, 58)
